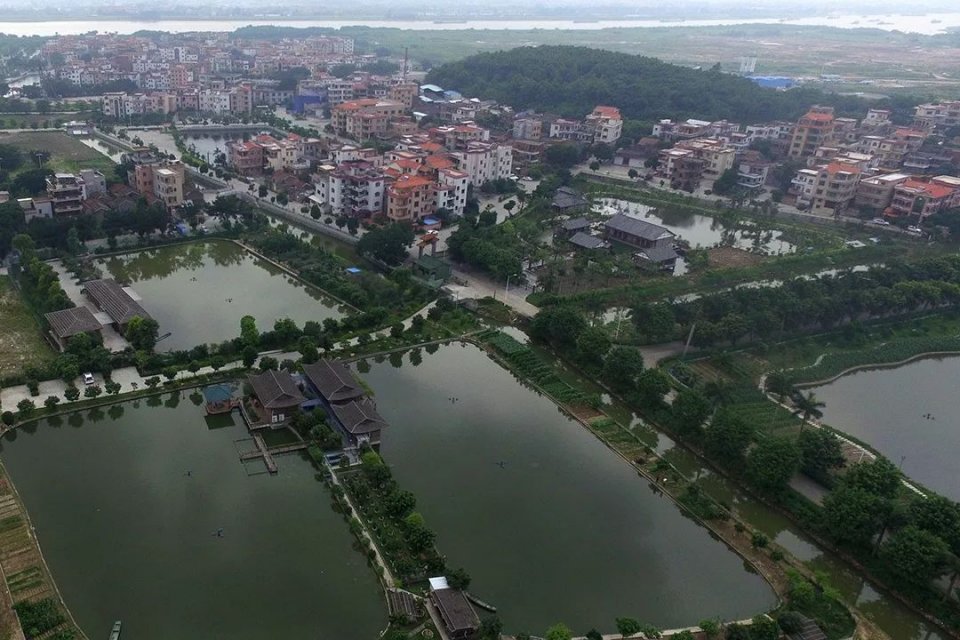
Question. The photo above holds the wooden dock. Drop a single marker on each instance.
(267, 453)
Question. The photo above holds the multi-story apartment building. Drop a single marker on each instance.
(527, 129)
(876, 193)
(365, 118)
(354, 188)
(813, 130)
(451, 190)
(485, 161)
(411, 198)
(245, 157)
(937, 116)
(92, 182)
(563, 129)
(922, 198)
(65, 191)
(458, 137)
(834, 189)
(717, 157)
(158, 178)
(605, 123)
(168, 185)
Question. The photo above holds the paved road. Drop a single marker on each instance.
(476, 286)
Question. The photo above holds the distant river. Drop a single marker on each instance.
(928, 24)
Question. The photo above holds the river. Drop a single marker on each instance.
(563, 529)
(887, 408)
(129, 535)
(199, 291)
(927, 23)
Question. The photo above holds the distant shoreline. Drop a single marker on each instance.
(928, 24)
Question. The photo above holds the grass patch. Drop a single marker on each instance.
(21, 343)
(67, 154)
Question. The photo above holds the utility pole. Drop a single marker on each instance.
(689, 339)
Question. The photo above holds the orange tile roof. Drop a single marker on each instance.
(931, 190)
(405, 163)
(819, 117)
(438, 162)
(411, 182)
(836, 167)
(431, 146)
(607, 112)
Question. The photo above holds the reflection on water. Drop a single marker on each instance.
(127, 532)
(199, 291)
(562, 505)
(909, 414)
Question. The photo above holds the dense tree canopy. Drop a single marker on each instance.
(572, 80)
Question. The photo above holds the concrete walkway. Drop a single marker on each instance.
(112, 340)
(475, 286)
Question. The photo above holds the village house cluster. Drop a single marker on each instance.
(871, 164)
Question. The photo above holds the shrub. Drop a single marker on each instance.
(759, 540)
(8, 418)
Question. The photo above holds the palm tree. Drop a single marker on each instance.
(808, 406)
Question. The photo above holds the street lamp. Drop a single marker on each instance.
(506, 290)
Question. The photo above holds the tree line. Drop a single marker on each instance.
(804, 304)
(571, 81)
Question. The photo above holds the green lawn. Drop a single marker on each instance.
(21, 343)
(67, 154)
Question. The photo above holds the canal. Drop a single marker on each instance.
(199, 291)
(908, 413)
(551, 525)
(127, 502)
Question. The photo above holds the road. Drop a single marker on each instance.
(476, 286)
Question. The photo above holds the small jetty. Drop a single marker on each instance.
(267, 453)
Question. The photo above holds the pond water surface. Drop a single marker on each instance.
(199, 291)
(551, 525)
(129, 535)
(887, 407)
(699, 230)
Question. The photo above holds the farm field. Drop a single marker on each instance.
(21, 344)
(67, 154)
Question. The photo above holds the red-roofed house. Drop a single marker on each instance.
(919, 198)
(410, 198)
(815, 129)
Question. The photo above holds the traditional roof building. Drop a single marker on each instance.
(276, 397)
(110, 298)
(333, 381)
(70, 322)
(360, 420)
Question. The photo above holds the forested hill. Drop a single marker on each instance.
(570, 81)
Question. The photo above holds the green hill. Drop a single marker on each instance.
(570, 81)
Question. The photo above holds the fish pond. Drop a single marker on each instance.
(551, 525)
(909, 414)
(145, 514)
(199, 291)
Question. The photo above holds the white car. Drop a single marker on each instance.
(881, 222)
(88, 378)
(917, 230)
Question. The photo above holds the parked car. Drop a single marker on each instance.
(880, 221)
(916, 230)
(88, 378)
